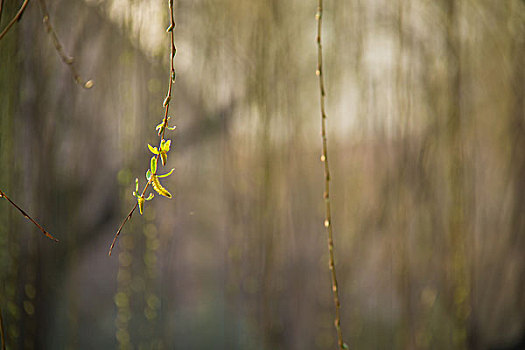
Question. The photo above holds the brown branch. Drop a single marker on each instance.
(120, 228)
(1, 9)
(324, 159)
(16, 18)
(47, 234)
(69, 61)
(173, 51)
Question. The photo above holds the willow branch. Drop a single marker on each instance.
(47, 234)
(1, 9)
(173, 51)
(67, 60)
(15, 18)
(324, 159)
(122, 226)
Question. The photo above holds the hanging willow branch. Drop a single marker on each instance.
(164, 145)
(67, 60)
(1, 9)
(15, 18)
(47, 234)
(324, 159)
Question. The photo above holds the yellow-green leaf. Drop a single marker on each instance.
(165, 146)
(153, 166)
(168, 174)
(152, 149)
(160, 127)
(140, 201)
(163, 158)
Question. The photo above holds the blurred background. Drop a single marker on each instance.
(426, 120)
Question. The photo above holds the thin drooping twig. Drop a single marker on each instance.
(324, 159)
(47, 234)
(69, 61)
(124, 222)
(15, 18)
(1, 9)
(173, 51)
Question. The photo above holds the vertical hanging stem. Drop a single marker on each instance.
(324, 159)
(1, 9)
(67, 60)
(166, 105)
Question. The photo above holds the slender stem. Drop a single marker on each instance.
(173, 51)
(16, 18)
(47, 234)
(120, 228)
(69, 61)
(1, 9)
(324, 159)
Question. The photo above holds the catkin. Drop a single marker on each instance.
(158, 187)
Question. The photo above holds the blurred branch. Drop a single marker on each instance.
(69, 61)
(47, 234)
(15, 18)
(162, 128)
(1, 9)
(324, 159)
(2, 334)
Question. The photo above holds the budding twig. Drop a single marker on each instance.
(324, 159)
(162, 127)
(67, 60)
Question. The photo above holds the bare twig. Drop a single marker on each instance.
(123, 223)
(15, 18)
(69, 61)
(173, 51)
(47, 234)
(324, 159)
(1, 9)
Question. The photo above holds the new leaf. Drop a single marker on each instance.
(152, 149)
(153, 166)
(140, 201)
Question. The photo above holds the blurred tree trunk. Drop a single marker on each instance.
(407, 330)
(37, 140)
(517, 161)
(10, 292)
(458, 277)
